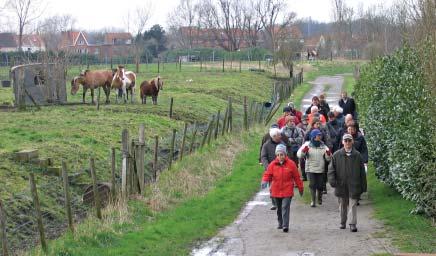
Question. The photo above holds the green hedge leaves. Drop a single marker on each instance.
(397, 109)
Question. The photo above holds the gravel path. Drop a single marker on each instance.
(313, 231)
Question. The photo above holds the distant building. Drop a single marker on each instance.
(112, 45)
(7, 42)
(30, 43)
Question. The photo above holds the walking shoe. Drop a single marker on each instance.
(279, 227)
(353, 228)
(273, 208)
(286, 230)
(342, 226)
(320, 200)
(324, 192)
(312, 204)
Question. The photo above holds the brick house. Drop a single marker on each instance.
(113, 44)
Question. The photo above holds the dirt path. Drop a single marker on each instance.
(313, 231)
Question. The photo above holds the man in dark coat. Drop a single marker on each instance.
(348, 105)
(347, 175)
(268, 153)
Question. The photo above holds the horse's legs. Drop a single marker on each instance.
(107, 91)
(92, 95)
(124, 93)
(84, 94)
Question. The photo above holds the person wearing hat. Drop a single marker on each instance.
(316, 154)
(347, 175)
(282, 120)
(283, 175)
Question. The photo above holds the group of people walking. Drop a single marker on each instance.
(325, 145)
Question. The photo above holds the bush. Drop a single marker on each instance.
(395, 106)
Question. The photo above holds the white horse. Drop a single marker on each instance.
(124, 81)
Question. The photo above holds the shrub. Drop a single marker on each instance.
(396, 109)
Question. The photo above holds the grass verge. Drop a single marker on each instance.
(409, 232)
(174, 231)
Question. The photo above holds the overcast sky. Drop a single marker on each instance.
(97, 14)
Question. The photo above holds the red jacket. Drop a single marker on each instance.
(282, 121)
(283, 178)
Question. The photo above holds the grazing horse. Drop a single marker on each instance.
(124, 80)
(151, 88)
(92, 80)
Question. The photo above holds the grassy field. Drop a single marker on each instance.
(211, 201)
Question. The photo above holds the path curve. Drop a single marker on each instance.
(312, 231)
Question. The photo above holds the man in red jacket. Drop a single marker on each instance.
(283, 174)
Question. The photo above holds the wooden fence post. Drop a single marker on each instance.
(140, 158)
(125, 151)
(217, 125)
(133, 177)
(113, 168)
(156, 148)
(173, 141)
(240, 66)
(223, 64)
(182, 147)
(158, 66)
(226, 117)
(191, 147)
(37, 212)
(301, 76)
(230, 117)
(137, 65)
(245, 114)
(210, 129)
(171, 108)
(3, 230)
(206, 133)
(180, 65)
(67, 196)
(95, 188)
(201, 64)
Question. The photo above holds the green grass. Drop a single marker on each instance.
(175, 231)
(410, 232)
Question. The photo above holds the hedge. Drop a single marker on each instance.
(397, 111)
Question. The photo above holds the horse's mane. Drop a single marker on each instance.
(156, 82)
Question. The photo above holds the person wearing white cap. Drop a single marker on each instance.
(347, 175)
(283, 175)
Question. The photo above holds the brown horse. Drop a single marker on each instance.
(92, 80)
(151, 88)
(124, 81)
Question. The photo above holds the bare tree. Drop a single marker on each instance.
(26, 11)
(182, 21)
(141, 16)
(51, 30)
(225, 19)
(252, 24)
(275, 20)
